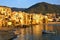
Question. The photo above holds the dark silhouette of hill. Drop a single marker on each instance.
(14, 8)
(43, 7)
(17, 9)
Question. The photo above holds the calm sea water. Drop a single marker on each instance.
(34, 32)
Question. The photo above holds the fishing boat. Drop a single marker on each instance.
(45, 31)
(48, 32)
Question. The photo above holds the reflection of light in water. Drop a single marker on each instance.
(37, 29)
(37, 32)
(27, 35)
(21, 36)
(49, 28)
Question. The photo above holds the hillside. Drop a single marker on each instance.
(43, 8)
(17, 9)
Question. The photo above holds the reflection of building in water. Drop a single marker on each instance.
(37, 29)
(49, 27)
(22, 35)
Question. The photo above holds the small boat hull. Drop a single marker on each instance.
(48, 32)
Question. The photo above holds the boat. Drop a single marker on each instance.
(48, 32)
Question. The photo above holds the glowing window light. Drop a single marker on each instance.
(9, 23)
(36, 17)
(46, 17)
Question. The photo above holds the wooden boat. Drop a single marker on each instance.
(48, 32)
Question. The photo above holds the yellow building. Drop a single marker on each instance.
(19, 18)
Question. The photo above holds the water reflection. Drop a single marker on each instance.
(35, 32)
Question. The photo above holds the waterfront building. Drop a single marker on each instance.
(14, 18)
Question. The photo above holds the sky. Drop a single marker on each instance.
(25, 3)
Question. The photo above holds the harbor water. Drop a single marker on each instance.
(34, 32)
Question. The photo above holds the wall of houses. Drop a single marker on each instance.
(7, 17)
